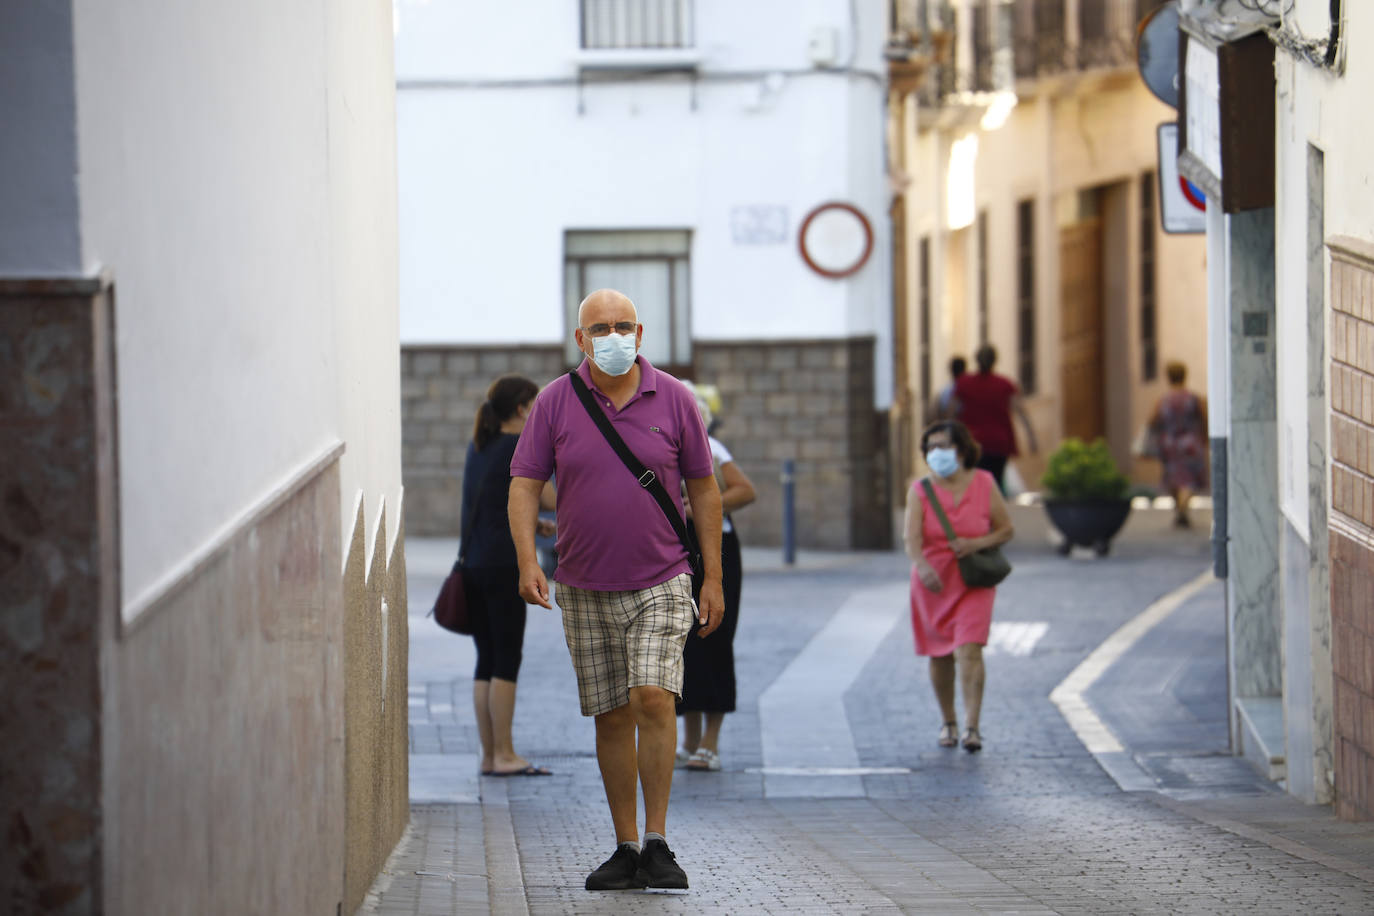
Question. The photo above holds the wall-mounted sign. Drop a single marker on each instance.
(835, 239)
(758, 224)
(1226, 107)
(1182, 205)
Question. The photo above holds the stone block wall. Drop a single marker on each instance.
(810, 401)
(441, 389)
(806, 400)
(1352, 525)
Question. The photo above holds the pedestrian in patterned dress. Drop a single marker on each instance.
(1179, 423)
(950, 620)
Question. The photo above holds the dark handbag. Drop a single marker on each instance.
(451, 607)
(980, 569)
(647, 478)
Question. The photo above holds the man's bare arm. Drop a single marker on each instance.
(522, 510)
(704, 495)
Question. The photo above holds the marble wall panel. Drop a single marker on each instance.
(57, 553)
(1252, 468)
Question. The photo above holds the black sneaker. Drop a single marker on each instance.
(658, 867)
(618, 873)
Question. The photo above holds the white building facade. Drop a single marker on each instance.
(674, 150)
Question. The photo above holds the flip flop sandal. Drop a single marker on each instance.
(973, 741)
(530, 770)
(949, 734)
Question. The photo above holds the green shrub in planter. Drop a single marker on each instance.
(1084, 471)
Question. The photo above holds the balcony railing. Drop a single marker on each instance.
(626, 24)
(1014, 40)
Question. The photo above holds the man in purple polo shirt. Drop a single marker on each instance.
(624, 584)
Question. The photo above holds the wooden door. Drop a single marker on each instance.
(1080, 329)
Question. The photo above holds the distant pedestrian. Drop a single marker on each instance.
(1179, 423)
(945, 405)
(985, 402)
(708, 684)
(491, 577)
(950, 620)
(624, 580)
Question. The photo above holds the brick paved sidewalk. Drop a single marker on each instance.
(1031, 825)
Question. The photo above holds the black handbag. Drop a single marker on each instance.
(980, 569)
(646, 477)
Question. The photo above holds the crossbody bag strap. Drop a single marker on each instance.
(939, 509)
(646, 477)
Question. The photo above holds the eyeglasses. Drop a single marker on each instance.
(620, 327)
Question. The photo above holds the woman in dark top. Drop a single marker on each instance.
(490, 573)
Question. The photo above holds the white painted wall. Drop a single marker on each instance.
(492, 175)
(1329, 112)
(39, 230)
(236, 175)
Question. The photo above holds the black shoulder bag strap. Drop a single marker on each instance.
(939, 509)
(646, 477)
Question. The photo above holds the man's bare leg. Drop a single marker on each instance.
(656, 717)
(615, 753)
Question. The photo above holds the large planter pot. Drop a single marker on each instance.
(1088, 522)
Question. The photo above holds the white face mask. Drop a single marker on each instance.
(614, 354)
(943, 462)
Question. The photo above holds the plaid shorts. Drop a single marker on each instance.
(620, 640)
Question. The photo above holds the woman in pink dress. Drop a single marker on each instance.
(950, 620)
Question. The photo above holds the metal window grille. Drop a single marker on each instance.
(1149, 342)
(924, 315)
(652, 267)
(1025, 295)
(982, 277)
(610, 24)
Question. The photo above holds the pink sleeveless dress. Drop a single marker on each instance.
(958, 615)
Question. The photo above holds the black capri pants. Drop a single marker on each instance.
(497, 613)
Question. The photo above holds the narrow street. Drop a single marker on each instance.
(834, 797)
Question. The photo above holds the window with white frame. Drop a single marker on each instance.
(652, 267)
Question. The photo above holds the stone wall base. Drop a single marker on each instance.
(808, 401)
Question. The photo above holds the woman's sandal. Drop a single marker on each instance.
(973, 741)
(949, 734)
(705, 760)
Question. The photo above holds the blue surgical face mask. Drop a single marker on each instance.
(614, 354)
(943, 462)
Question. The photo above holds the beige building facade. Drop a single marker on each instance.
(1027, 216)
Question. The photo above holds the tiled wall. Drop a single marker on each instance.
(1352, 524)
(810, 401)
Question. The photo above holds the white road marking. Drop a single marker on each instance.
(1069, 695)
(805, 729)
(1015, 638)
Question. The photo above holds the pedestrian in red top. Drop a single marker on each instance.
(985, 402)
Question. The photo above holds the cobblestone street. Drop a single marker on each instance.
(841, 802)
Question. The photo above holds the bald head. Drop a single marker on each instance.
(606, 306)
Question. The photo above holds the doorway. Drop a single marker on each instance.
(1082, 392)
